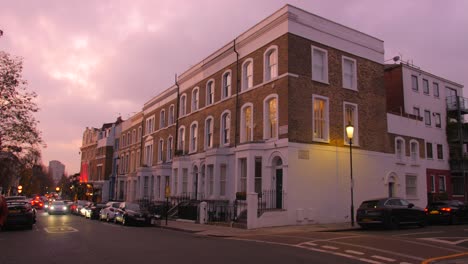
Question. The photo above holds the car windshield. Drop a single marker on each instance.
(133, 207)
(58, 203)
(370, 204)
(15, 198)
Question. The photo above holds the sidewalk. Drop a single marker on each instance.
(226, 231)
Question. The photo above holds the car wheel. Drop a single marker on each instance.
(124, 221)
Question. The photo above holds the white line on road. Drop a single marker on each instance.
(442, 240)
(354, 252)
(405, 263)
(370, 261)
(330, 247)
(310, 243)
(383, 258)
(381, 250)
(419, 233)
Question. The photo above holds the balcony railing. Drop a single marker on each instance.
(452, 104)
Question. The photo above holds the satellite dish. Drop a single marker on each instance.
(396, 58)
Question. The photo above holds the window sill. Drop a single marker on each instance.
(321, 81)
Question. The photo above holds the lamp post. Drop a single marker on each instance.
(349, 134)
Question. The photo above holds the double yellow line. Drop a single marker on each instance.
(427, 261)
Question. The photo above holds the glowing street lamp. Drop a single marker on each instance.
(350, 134)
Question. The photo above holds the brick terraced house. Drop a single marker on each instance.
(255, 133)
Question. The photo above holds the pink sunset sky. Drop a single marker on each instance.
(91, 61)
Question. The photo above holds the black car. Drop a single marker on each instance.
(132, 214)
(450, 212)
(390, 213)
(20, 213)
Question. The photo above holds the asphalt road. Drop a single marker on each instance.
(432, 244)
(71, 239)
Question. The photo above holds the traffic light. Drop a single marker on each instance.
(20, 188)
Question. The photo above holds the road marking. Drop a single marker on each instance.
(310, 243)
(370, 261)
(381, 250)
(60, 229)
(354, 252)
(330, 247)
(383, 258)
(426, 261)
(419, 233)
(442, 240)
(405, 263)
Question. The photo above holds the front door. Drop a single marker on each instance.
(279, 188)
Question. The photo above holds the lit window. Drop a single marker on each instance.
(247, 124)
(319, 65)
(320, 118)
(270, 118)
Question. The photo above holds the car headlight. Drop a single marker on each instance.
(64, 208)
(46, 206)
(52, 207)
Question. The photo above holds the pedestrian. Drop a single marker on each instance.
(3, 211)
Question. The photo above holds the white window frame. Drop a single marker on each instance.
(195, 99)
(427, 118)
(140, 129)
(432, 183)
(270, 132)
(225, 128)
(437, 120)
(149, 153)
(444, 183)
(425, 83)
(183, 105)
(400, 152)
(355, 123)
(326, 122)
(247, 76)
(414, 150)
(411, 190)
(170, 142)
(162, 119)
(226, 86)
(435, 89)
(270, 63)
(160, 150)
(210, 93)
(209, 132)
(353, 85)
(149, 127)
(244, 126)
(222, 179)
(193, 137)
(181, 139)
(324, 67)
(414, 85)
(171, 115)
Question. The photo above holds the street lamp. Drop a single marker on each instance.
(349, 134)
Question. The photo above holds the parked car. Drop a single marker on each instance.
(85, 207)
(132, 214)
(390, 213)
(76, 207)
(37, 203)
(57, 207)
(20, 213)
(93, 211)
(450, 212)
(108, 212)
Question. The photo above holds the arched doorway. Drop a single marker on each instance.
(391, 184)
(278, 182)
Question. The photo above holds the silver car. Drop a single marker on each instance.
(108, 213)
(57, 207)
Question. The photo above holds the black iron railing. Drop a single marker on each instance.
(269, 200)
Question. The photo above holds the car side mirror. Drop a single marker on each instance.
(410, 205)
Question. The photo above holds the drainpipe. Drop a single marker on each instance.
(176, 143)
(237, 93)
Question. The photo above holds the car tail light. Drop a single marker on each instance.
(446, 209)
(426, 210)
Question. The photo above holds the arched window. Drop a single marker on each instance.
(183, 106)
(181, 139)
(246, 123)
(195, 99)
(399, 148)
(271, 63)
(160, 150)
(270, 118)
(225, 127)
(209, 132)
(162, 119)
(171, 115)
(226, 85)
(169, 149)
(247, 74)
(210, 90)
(193, 137)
